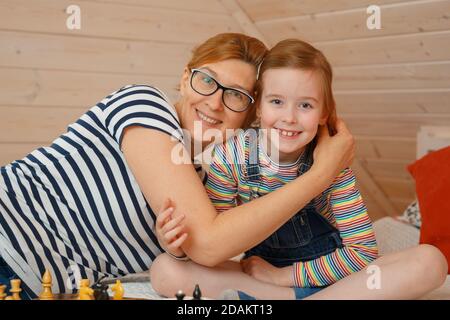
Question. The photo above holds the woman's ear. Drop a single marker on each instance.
(184, 81)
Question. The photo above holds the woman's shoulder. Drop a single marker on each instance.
(139, 104)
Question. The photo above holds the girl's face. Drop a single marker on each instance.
(210, 111)
(291, 108)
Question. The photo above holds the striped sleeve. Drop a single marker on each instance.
(142, 106)
(358, 238)
(222, 183)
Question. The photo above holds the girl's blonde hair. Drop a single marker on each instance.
(227, 46)
(294, 53)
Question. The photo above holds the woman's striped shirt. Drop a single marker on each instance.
(75, 207)
(343, 207)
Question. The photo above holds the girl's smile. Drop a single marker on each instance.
(291, 105)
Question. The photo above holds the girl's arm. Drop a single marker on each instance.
(215, 238)
(358, 238)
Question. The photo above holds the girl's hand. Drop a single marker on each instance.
(169, 230)
(334, 154)
(263, 271)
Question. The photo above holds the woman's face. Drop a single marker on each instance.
(209, 112)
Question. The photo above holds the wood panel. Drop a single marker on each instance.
(387, 168)
(401, 204)
(25, 124)
(385, 147)
(434, 46)
(397, 188)
(402, 101)
(403, 18)
(114, 21)
(395, 125)
(13, 151)
(26, 87)
(401, 76)
(260, 10)
(27, 50)
(210, 6)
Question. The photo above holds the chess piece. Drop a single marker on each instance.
(100, 290)
(9, 298)
(180, 295)
(118, 290)
(197, 294)
(47, 287)
(15, 289)
(2, 292)
(85, 293)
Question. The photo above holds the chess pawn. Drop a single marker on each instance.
(180, 295)
(47, 287)
(118, 290)
(85, 292)
(9, 298)
(2, 292)
(197, 294)
(100, 290)
(15, 289)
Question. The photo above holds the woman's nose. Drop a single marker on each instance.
(215, 102)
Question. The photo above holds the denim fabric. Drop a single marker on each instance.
(306, 236)
(6, 275)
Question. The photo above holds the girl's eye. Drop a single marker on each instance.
(305, 105)
(276, 101)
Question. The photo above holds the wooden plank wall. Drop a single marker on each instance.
(388, 82)
(49, 75)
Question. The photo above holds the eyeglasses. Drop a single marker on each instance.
(234, 99)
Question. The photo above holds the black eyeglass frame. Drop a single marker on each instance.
(220, 86)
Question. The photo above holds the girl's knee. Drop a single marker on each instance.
(165, 273)
(432, 263)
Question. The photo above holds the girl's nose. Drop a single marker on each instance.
(289, 116)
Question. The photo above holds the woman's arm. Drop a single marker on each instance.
(215, 238)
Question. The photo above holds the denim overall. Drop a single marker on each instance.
(306, 236)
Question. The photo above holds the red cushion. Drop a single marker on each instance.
(432, 175)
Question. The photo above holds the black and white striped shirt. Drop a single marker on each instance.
(75, 207)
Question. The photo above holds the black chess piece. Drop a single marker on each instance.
(197, 294)
(100, 290)
(180, 295)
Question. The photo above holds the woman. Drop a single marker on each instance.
(84, 206)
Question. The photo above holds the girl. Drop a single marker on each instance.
(327, 240)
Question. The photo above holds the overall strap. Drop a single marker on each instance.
(307, 158)
(252, 171)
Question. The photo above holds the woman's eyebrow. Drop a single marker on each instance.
(214, 74)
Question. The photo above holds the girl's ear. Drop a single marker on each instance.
(323, 120)
(184, 81)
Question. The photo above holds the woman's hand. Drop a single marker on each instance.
(334, 154)
(263, 271)
(169, 230)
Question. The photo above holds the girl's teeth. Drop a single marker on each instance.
(287, 133)
(207, 119)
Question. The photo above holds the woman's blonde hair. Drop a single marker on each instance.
(297, 54)
(227, 46)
